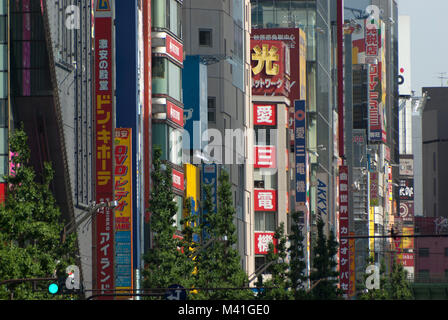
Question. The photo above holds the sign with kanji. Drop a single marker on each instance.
(300, 150)
(265, 157)
(103, 144)
(262, 241)
(270, 68)
(344, 245)
(175, 113)
(178, 180)
(265, 200)
(174, 49)
(265, 115)
(123, 212)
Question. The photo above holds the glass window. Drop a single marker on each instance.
(159, 137)
(167, 14)
(175, 146)
(265, 178)
(166, 78)
(178, 217)
(423, 252)
(265, 221)
(211, 105)
(260, 261)
(3, 35)
(205, 37)
(3, 85)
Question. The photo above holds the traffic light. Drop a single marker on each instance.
(69, 283)
(57, 286)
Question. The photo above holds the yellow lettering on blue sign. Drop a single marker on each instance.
(103, 5)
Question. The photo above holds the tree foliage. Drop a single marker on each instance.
(324, 265)
(219, 263)
(166, 262)
(30, 227)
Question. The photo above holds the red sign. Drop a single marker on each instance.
(103, 150)
(407, 259)
(178, 180)
(265, 200)
(262, 241)
(174, 49)
(175, 113)
(265, 157)
(344, 246)
(265, 114)
(270, 68)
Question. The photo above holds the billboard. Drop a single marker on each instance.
(300, 151)
(265, 200)
(262, 241)
(344, 246)
(296, 41)
(270, 61)
(373, 188)
(104, 132)
(123, 212)
(265, 114)
(406, 166)
(407, 211)
(406, 190)
(195, 99)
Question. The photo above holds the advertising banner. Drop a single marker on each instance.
(123, 212)
(344, 246)
(296, 41)
(406, 190)
(178, 180)
(270, 68)
(265, 115)
(300, 151)
(407, 211)
(408, 242)
(174, 49)
(265, 157)
(406, 166)
(262, 241)
(104, 133)
(374, 197)
(265, 200)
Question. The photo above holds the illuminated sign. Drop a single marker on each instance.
(265, 157)
(270, 63)
(265, 200)
(265, 114)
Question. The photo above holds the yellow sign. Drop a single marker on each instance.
(302, 62)
(266, 57)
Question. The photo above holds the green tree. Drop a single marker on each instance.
(166, 263)
(297, 263)
(219, 263)
(278, 286)
(324, 265)
(30, 228)
(393, 286)
(374, 294)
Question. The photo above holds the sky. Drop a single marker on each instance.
(429, 45)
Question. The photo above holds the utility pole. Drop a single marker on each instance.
(442, 77)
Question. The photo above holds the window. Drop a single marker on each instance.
(265, 178)
(260, 261)
(178, 217)
(265, 221)
(446, 252)
(211, 107)
(423, 252)
(166, 78)
(265, 136)
(167, 14)
(205, 37)
(170, 141)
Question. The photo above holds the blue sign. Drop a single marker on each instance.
(300, 149)
(210, 178)
(176, 292)
(123, 267)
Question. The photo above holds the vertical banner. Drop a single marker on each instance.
(104, 116)
(344, 247)
(300, 154)
(374, 197)
(123, 212)
(352, 287)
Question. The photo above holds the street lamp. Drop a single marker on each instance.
(89, 211)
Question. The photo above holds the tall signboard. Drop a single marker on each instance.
(270, 68)
(344, 245)
(123, 212)
(103, 276)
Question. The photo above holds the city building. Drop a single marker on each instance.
(218, 33)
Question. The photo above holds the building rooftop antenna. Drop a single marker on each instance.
(442, 77)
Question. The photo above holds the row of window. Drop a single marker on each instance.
(167, 14)
(424, 252)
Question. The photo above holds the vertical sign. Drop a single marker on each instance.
(300, 154)
(104, 115)
(352, 287)
(344, 247)
(265, 115)
(262, 241)
(265, 200)
(374, 198)
(123, 212)
(265, 157)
